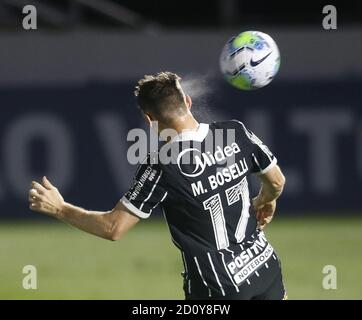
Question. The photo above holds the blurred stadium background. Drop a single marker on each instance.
(67, 106)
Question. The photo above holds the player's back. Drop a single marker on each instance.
(200, 179)
(208, 201)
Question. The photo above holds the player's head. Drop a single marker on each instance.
(162, 99)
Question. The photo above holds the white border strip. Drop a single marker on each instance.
(270, 166)
(134, 209)
(202, 277)
(216, 276)
(228, 273)
(153, 189)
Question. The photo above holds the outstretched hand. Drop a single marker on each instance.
(45, 198)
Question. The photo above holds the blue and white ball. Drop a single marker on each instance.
(250, 60)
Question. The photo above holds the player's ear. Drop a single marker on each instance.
(188, 101)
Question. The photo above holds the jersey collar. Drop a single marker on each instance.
(195, 135)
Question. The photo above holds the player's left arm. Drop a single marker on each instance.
(272, 185)
(112, 225)
(264, 164)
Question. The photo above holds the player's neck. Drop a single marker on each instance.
(185, 123)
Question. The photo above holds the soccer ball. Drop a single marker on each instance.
(250, 60)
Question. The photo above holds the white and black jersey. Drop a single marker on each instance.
(200, 180)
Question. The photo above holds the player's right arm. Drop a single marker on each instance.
(112, 225)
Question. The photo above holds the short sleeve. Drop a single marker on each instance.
(146, 193)
(262, 158)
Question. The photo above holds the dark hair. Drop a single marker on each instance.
(161, 96)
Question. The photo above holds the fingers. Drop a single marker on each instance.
(47, 184)
(35, 194)
(261, 225)
(38, 195)
(35, 206)
(258, 215)
(263, 217)
(38, 187)
(263, 221)
(34, 200)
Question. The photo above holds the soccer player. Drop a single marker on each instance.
(204, 194)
